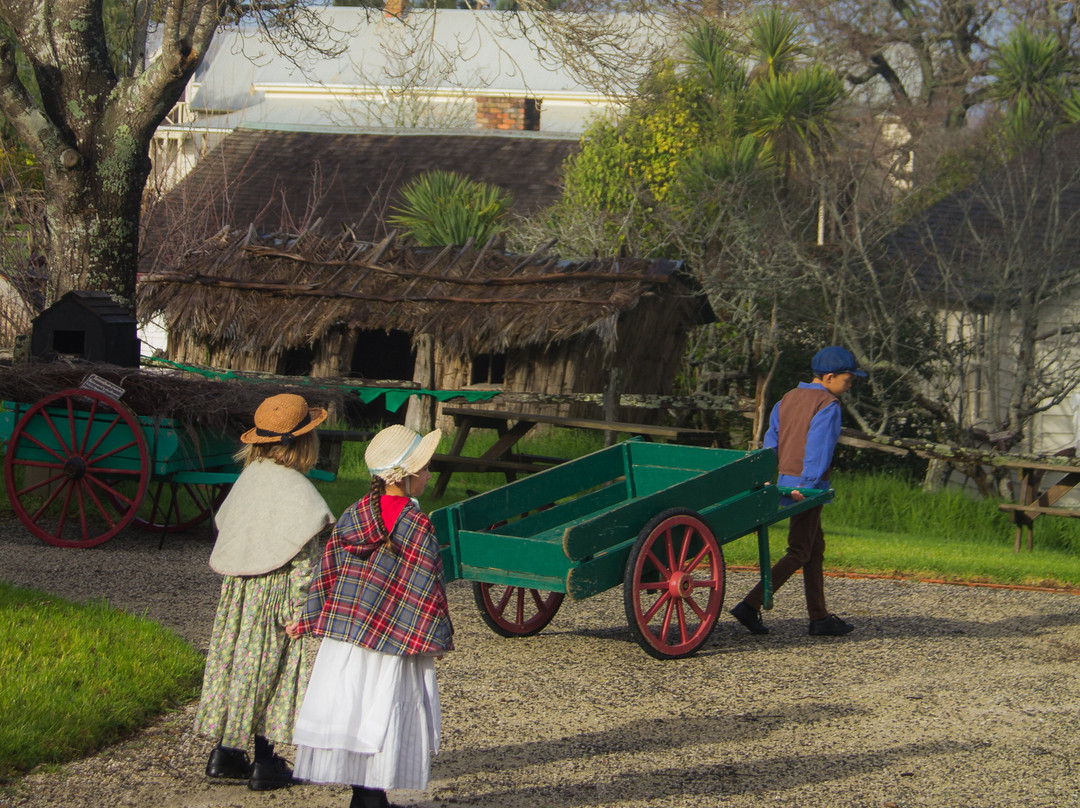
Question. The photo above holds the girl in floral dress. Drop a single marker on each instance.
(266, 548)
(371, 715)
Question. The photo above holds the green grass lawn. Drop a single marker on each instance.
(78, 676)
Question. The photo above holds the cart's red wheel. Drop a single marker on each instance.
(175, 507)
(674, 584)
(514, 611)
(77, 467)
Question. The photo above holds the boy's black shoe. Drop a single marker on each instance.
(751, 618)
(226, 763)
(267, 775)
(831, 626)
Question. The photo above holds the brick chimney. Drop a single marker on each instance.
(511, 114)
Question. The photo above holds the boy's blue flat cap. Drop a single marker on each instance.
(835, 359)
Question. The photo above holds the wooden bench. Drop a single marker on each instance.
(445, 462)
(1035, 502)
(330, 441)
(512, 426)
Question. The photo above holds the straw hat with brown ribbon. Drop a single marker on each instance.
(281, 418)
(397, 452)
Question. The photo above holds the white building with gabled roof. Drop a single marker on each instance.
(428, 69)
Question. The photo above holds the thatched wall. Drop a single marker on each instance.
(324, 307)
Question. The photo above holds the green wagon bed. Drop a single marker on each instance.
(652, 517)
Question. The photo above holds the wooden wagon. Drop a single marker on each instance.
(80, 466)
(653, 517)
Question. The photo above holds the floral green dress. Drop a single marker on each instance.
(252, 684)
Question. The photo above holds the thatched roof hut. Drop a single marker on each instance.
(448, 318)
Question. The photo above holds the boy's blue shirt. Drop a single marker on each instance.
(821, 441)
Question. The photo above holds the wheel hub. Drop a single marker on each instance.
(75, 467)
(681, 584)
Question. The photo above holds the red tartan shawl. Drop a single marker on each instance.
(383, 591)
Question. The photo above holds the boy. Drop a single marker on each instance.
(803, 429)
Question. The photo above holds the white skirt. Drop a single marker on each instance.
(368, 719)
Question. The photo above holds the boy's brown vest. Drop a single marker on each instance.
(797, 409)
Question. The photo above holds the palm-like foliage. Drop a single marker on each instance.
(1033, 76)
(1032, 67)
(775, 41)
(794, 114)
(711, 56)
(788, 109)
(443, 207)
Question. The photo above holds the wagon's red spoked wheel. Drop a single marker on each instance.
(77, 467)
(515, 611)
(175, 507)
(674, 584)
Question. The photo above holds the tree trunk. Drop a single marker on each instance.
(91, 129)
(93, 219)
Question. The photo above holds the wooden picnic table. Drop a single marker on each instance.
(1034, 501)
(512, 426)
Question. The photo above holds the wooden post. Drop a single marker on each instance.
(612, 396)
(420, 415)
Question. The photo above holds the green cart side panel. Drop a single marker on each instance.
(494, 551)
(551, 485)
(750, 470)
(568, 511)
(515, 578)
(178, 449)
(743, 514)
(443, 521)
(599, 574)
(657, 466)
(728, 520)
(702, 458)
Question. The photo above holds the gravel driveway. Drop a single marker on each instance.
(943, 696)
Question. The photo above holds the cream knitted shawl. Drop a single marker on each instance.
(271, 512)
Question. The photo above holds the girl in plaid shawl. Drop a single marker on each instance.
(371, 716)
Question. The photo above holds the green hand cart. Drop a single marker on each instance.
(80, 466)
(653, 517)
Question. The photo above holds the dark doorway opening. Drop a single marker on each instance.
(379, 356)
(296, 362)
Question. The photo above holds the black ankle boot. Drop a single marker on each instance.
(368, 798)
(226, 763)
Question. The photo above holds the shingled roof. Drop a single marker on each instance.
(269, 177)
(268, 294)
(1025, 213)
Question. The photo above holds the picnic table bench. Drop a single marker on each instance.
(512, 426)
(1034, 501)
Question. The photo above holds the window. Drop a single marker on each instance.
(488, 369)
(69, 342)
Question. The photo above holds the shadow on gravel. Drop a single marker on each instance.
(730, 638)
(642, 736)
(712, 782)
